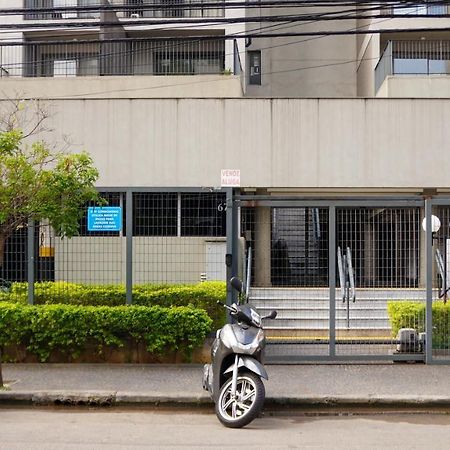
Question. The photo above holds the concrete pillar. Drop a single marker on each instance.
(262, 246)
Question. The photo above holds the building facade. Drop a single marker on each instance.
(340, 141)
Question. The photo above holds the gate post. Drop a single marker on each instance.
(429, 284)
(31, 261)
(332, 277)
(231, 255)
(129, 248)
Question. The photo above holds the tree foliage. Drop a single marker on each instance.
(37, 183)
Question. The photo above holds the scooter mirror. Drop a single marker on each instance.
(272, 315)
(236, 283)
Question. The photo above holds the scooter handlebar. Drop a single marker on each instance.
(226, 306)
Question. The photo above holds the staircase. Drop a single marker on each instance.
(304, 312)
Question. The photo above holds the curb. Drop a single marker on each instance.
(152, 399)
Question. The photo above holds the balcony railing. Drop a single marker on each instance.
(413, 58)
(49, 13)
(130, 9)
(424, 9)
(113, 57)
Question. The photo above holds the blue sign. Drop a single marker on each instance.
(105, 218)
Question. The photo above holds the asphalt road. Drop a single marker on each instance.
(81, 429)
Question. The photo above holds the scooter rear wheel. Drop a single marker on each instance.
(241, 410)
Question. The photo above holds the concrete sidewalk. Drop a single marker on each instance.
(295, 385)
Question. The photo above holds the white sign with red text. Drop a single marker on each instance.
(230, 178)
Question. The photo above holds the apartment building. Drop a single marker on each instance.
(118, 42)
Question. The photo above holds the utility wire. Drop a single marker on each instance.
(223, 3)
(215, 21)
(162, 22)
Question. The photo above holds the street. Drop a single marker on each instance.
(61, 429)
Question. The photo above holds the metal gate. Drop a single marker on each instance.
(350, 278)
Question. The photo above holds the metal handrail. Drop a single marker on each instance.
(351, 274)
(248, 273)
(341, 272)
(443, 290)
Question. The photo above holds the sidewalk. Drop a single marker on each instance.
(295, 385)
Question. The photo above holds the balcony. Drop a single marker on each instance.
(413, 58)
(127, 9)
(48, 5)
(430, 9)
(113, 57)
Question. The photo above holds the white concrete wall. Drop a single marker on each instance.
(193, 86)
(101, 260)
(303, 66)
(332, 144)
(417, 86)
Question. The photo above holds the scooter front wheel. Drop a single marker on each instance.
(240, 410)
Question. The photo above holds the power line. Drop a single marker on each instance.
(215, 21)
(207, 4)
(317, 17)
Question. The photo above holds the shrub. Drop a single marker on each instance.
(202, 295)
(68, 329)
(409, 314)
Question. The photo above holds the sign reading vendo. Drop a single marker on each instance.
(230, 178)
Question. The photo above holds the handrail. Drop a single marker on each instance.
(341, 272)
(351, 274)
(249, 273)
(443, 272)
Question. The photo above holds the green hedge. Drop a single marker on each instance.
(202, 295)
(409, 314)
(69, 329)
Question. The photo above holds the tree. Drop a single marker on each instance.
(38, 183)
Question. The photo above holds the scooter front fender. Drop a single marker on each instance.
(251, 364)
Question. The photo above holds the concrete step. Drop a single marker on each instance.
(323, 314)
(264, 307)
(323, 333)
(323, 293)
(304, 323)
(312, 303)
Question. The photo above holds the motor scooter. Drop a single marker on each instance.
(234, 378)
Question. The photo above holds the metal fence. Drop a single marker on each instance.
(355, 279)
(422, 57)
(351, 279)
(159, 237)
(130, 9)
(113, 57)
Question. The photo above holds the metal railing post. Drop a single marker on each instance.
(332, 277)
(129, 247)
(429, 284)
(31, 261)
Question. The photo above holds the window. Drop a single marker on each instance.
(155, 214)
(65, 68)
(203, 214)
(254, 58)
(167, 214)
